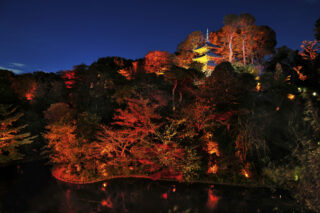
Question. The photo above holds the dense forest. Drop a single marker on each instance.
(254, 120)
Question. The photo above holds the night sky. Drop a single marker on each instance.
(53, 35)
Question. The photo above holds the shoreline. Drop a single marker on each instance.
(55, 173)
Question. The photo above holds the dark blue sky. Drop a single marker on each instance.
(53, 35)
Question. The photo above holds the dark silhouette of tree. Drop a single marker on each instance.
(317, 30)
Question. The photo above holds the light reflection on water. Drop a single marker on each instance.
(36, 191)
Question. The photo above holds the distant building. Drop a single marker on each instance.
(206, 56)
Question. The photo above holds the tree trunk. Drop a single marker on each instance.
(180, 97)
(230, 49)
(173, 93)
(244, 52)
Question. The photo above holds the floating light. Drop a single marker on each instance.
(258, 87)
(291, 96)
(314, 93)
(174, 188)
(164, 196)
(245, 173)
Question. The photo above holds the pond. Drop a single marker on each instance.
(31, 188)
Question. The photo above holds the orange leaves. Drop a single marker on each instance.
(157, 62)
(310, 50)
(10, 134)
(138, 115)
(301, 76)
(126, 73)
(212, 169)
(31, 91)
(62, 140)
(213, 148)
(134, 123)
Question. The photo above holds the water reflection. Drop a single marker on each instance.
(37, 191)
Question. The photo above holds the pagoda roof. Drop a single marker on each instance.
(207, 45)
(212, 54)
(202, 59)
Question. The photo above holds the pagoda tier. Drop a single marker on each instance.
(206, 56)
(205, 48)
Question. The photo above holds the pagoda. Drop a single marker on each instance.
(207, 57)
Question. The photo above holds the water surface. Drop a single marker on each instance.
(32, 189)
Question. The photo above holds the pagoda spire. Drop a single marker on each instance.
(206, 56)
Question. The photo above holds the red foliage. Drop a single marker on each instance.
(157, 62)
(69, 78)
(310, 50)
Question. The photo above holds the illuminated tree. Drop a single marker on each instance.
(185, 49)
(61, 134)
(227, 34)
(25, 86)
(310, 50)
(63, 144)
(131, 126)
(157, 62)
(11, 134)
(241, 39)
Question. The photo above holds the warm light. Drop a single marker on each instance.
(131, 168)
(107, 203)
(104, 184)
(258, 87)
(174, 188)
(314, 94)
(213, 148)
(164, 196)
(213, 169)
(291, 96)
(299, 89)
(277, 109)
(245, 173)
(31, 92)
(212, 199)
(29, 96)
